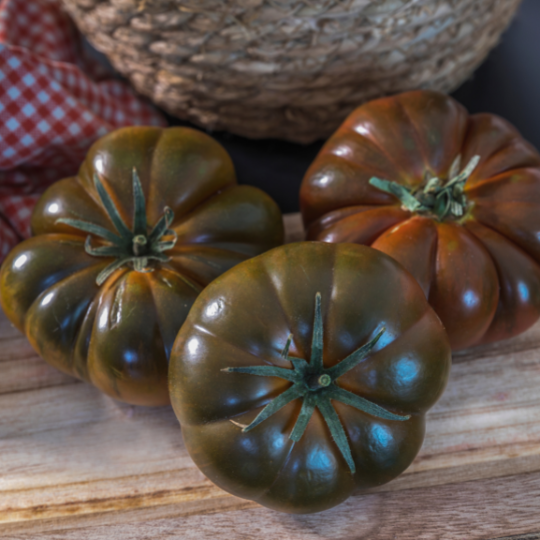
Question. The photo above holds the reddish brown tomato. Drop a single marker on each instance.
(337, 350)
(454, 198)
(118, 333)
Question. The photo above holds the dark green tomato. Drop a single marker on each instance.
(253, 336)
(109, 311)
(454, 198)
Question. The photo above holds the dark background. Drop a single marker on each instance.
(508, 84)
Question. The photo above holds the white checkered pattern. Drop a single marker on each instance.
(55, 101)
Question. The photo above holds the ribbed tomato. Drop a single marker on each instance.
(454, 198)
(122, 250)
(305, 374)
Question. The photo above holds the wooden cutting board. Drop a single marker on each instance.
(75, 464)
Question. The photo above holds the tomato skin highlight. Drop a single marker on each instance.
(118, 335)
(244, 318)
(519, 281)
(409, 139)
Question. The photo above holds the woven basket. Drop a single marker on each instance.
(291, 69)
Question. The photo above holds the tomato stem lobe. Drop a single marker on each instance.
(316, 385)
(129, 247)
(437, 198)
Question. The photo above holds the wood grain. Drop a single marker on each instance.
(478, 510)
(521, 537)
(76, 464)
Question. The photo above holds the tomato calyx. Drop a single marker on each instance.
(317, 386)
(135, 247)
(440, 199)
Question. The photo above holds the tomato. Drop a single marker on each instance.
(122, 250)
(305, 373)
(454, 198)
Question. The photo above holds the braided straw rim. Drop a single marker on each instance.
(290, 69)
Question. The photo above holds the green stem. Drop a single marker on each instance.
(362, 404)
(317, 387)
(354, 358)
(324, 380)
(140, 225)
(317, 339)
(139, 245)
(266, 371)
(275, 405)
(308, 407)
(111, 209)
(338, 433)
(135, 248)
(441, 200)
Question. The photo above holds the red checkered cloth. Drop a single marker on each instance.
(56, 99)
